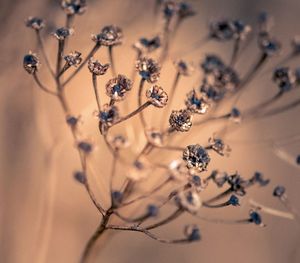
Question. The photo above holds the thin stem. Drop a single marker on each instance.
(69, 20)
(219, 196)
(42, 87)
(149, 234)
(235, 52)
(111, 60)
(60, 53)
(77, 70)
(140, 92)
(113, 173)
(223, 221)
(171, 96)
(42, 48)
(167, 220)
(130, 115)
(156, 189)
(92, 241)
(94, 78)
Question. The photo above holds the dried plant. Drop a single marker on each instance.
(184, 176)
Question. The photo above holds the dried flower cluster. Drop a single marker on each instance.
(188, 173)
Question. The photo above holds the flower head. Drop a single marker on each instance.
(73, 7)
(73, 58)
(196, 157)
(234, 200)
(117, 88)
(279, 191)
(157, 96)
(181, 120)
(189, 201)
(196, 102)
(259, 178)
(169, 9)
(144, 45)
(192, 232)
(285, 78)
(96, 67)
(63, 32)
(148, 69)
(255, 218)
(152, 210)
(110, 36)
(219, 178)
(31, 63)
(237, 183)
(183, 68)
(80, 177)
(235, 115)
(35, 23)
(296, 44)
(178, 170)
(72, 120)
(108, 115)
(212, 63)
(139, 170)
(85, 146)
(185, 10)
(118, 142)
(218, 145)
(268, 45)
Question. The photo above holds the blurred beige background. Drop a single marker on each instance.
(37, 147)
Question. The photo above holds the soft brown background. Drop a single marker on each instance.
(37, 154)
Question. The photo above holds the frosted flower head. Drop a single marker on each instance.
(183, 68)
(196, 102)
(110, 36)
(169, 9)
(265, 22)
(72, 120)
(225, 78)
(63, 32)
(279, 191)
(189, 201)
(196, 182)
(196, 157)
(259, 178)
(268, 45)
(237, 184)
(226, 29)
(152, 210)
(31, 63)
(181, 120)
(145, 46)
(212, 92)
(108, 115)
(35, 23)
(234, 200)
(73, 59)
(73, 7)
(155, 137)
(185, 10)
(117, 88)
(192, 232)
(296, 44)
(80, 177)
(85, 146)
(255, 218)
(157, 96)
(96, 67)
(148, 69)
(218, 145)
(235, 115)
(285, 78)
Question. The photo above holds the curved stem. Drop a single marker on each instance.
(42, 87)
(94, 78)
(111, 60)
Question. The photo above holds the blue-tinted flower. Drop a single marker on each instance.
(219, 178)
(258, 178)
(73, 59)
(108, 115)
(117, 198)
(85, 146)
(237, 184)
(145, 46)
(285, 78)
(155, 137)
(255, 218)
(192, 232)
(72, 120)
(218, 145)
(35, 23)
(31, 63)
(96, 67)
(148, 69)
(279, 191)
(196, 157)
(80, 177)
(234, 200)
(152, 210)
(196, 102)
(72, 7)
(268, 45)
(63, 32)
(185, 10)
(157, 96)
(110, 36)
(183, 68)
(235, 115)
(118, 87)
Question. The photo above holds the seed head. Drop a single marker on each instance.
(285, 78)
(110, 36)
(279, 191)
(184, 68)
(73, 59)
(196, 102)
(63, 32)
(35, 23)
(218, 145)
(108, 115)
(155, 137)
(73, 7)
(145, 46)
(189, 201)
